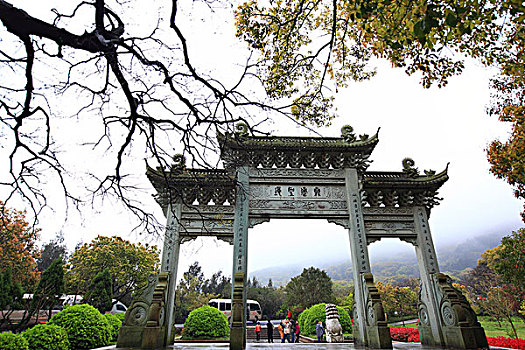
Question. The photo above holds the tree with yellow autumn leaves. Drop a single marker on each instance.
(18, 249)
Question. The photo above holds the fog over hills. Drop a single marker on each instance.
(387, 267)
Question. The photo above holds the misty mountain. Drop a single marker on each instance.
(452, 258)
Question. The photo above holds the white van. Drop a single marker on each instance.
(225, 305)
(118, 307)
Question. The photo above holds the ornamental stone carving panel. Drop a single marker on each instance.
(302, 173)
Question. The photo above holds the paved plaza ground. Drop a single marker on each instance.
(300, 346)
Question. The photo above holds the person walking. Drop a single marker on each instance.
(269, 331)
(287, 331)
(258, 331)
(281, 331)
(319, 331)
(297, 332)
(292, 330)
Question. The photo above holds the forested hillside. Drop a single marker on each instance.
(453, 259)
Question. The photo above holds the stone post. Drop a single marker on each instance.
(170, 264)
(368, 330)
(148, 323)
(240, 256)
(428, 309)
(445, 316)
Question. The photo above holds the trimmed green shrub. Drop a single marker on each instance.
(85, 326)
(114, 325)
(47, 337)
(345, 320)
(206, 322)
(309, 318)
(121, 316)
(11, 341)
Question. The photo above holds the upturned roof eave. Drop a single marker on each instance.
(400, 179)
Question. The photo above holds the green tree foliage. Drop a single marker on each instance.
(129, 264)
(398, 301)
(218, 284)
(115, 322)
(11, 341)
(507, 158)
(47, 337)
(310, 316)
(99, 294)
(501, 304)
(50, 287)
(489, 289)
(86, 327)
(18, 249)
(270, 299)
(190, 293)
(311, 287)
(50, 251)
(346, 302)
(511, 262)
(11, 292)
(327, 43)
(206, 322)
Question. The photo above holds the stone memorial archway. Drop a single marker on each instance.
(303, 177)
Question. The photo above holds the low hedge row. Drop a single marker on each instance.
(75, 327)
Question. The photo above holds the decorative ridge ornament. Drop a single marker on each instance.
(347, 133)
(409, 169)
(179, 163)
(241, 130)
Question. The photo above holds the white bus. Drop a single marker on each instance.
(225, 306)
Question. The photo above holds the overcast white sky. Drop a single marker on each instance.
(433, 126)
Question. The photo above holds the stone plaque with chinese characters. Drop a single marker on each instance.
(297, 192)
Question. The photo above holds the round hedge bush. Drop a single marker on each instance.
(85, 326)
(309, 318)
(121, 316)
(206, 322)
(47, 337)
(11, 341)
(114, 325)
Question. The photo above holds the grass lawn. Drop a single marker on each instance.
(407, 325)
(492, 329)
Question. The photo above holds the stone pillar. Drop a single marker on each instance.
(445, 316)
(148, 323)
(170, 264)
(428, 309)
(240, 256)
(369, 321)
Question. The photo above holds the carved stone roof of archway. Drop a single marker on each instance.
(348, 150)
(190, 185)
(406, 188)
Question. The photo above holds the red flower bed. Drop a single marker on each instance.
(506, 342)
(410, 335)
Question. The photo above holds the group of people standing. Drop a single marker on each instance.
(288, 330)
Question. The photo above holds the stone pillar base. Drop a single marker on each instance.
(456, 321)
(153, 337)
(465, 337)
(130, 337)
(379, 336)
(237, 337)
(426, 336)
